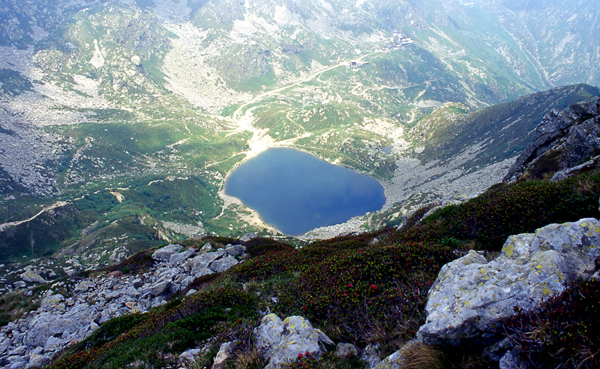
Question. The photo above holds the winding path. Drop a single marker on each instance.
(312, 76)
(18, 222)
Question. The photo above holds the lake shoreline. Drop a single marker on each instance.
(296, 191)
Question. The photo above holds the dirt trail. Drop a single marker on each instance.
(48, 208)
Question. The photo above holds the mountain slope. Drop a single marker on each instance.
(144, 99)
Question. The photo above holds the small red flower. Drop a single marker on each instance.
(350, 285)
(300, 356)
(374, 286)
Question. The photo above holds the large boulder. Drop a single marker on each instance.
(223, 264)
(32, 276)
(472, 295)
(202, 261)
(75, 322)
(235, 250)
(284, 341)
(160, 286)
(165, 253)
(180, 257)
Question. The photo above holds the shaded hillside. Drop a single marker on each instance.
(566, 142)
(500, 132)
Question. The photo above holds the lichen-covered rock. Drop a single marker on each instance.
(85, 286)
(471, 295)
(235, 250)
(284, 341)
(50, 302)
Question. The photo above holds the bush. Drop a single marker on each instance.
(368, 294)
(563, 332)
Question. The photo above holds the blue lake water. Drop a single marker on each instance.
(296, 192)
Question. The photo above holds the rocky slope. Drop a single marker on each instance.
(465, 306)
(71, 310)
(458, 154)
(564, 140)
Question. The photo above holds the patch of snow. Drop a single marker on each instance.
(97, 59)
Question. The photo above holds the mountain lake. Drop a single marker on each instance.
(296, 192)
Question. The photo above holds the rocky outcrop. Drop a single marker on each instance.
(61, 320)
(284, 341)
(563, 140)
(472, 295)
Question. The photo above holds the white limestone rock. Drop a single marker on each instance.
(471, 295)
